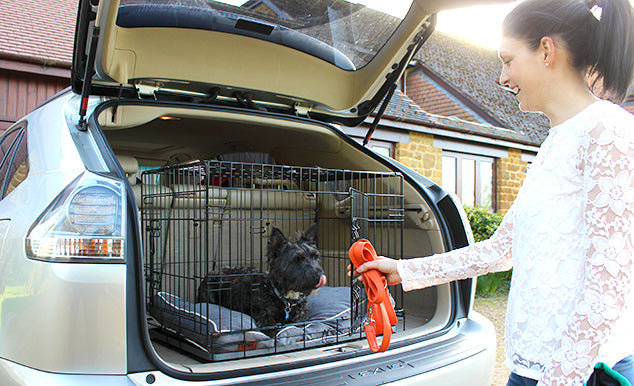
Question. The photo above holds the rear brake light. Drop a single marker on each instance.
(85, 223)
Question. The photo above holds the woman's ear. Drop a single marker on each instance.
(548, 50)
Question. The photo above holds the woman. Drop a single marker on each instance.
(569, 234)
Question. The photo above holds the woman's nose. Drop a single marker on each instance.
(504, 79)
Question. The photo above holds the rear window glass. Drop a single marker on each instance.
(333, 30)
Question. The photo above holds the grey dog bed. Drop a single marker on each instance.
(219, 329)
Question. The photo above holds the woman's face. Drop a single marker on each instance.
(523, 71)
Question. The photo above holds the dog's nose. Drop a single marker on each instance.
(322, 281)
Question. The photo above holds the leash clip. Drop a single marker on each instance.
(368, 320)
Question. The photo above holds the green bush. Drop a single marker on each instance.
(483, 223)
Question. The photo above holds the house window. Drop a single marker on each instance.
(470, 177)
(381, 147)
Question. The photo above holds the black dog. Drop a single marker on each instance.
(277, 296)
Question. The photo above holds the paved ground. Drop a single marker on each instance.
(494, 308)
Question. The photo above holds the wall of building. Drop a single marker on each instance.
(420, 155)
(21, 92)
(510, 174)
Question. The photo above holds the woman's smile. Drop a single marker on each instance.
(522, 66)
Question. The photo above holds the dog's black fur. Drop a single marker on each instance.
(277, 296)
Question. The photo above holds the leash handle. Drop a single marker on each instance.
(363, 251)
(381, 315)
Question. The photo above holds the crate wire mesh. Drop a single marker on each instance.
(199, 218)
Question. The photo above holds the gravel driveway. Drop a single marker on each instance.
(494, 308)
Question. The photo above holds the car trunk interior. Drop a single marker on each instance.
(211, 185)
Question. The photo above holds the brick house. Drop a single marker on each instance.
(449, 121)
(476, 141)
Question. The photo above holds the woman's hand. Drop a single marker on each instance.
(384, 265)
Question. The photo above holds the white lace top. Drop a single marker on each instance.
(569, 239)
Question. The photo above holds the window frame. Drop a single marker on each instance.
(478, 159)
(373, 144)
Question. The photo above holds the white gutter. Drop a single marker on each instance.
(387, 123)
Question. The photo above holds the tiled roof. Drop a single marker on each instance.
(38, 31)
(431, 99)
(475, 70)
(402, 108)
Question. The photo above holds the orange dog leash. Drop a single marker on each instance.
(381, 315)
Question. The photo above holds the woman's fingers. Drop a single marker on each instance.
(384, 265)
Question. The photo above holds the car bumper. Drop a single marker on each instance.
(12, 374)
(467, 357)
(476, 369)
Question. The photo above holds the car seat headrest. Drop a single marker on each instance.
(130, 166)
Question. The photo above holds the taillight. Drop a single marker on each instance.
(85, 223)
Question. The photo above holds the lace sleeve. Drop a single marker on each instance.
(606, 159)
(493, 254)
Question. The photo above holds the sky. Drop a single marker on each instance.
(479, 24)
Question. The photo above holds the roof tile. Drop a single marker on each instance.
(38, 30)
(402, 108)
(474, 70)
(433, 100)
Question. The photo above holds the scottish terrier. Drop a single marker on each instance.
(277, 296)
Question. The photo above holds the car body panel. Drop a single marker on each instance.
(12, 373)
(65, 310)
(88, 336)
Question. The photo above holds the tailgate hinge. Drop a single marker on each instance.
(301, 110)
(145, 91)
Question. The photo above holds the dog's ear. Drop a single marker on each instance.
(277, 240)
(310, 236)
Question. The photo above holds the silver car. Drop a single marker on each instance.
(193, 129)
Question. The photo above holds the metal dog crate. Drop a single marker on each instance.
(198, 218)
